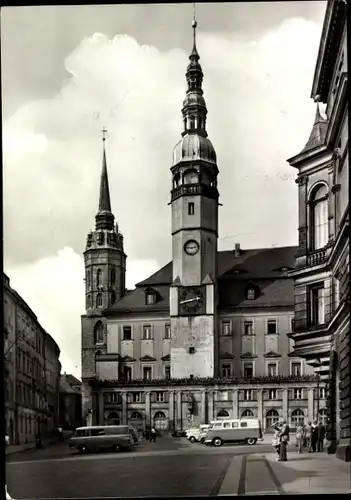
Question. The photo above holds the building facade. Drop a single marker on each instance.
(32, 371)
(206, 335)
(70, 405)
(322, 274)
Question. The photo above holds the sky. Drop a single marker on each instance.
(77, 69)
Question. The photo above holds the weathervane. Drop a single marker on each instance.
(104, 132)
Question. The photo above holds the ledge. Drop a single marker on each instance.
(209, 381)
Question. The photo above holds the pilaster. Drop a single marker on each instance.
(203, 407)
(285, 395)
(148, 408)
(124, 408)
(210, 406)
(101, 409)
(235, 403)
(310, 405)
(260, 405)
(179, 410)
(171, 410)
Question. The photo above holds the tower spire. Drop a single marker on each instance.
(194, 52)
(104, 218)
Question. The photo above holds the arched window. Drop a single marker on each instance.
(113, 276)
(191, 121)
(99, 300)
(160, 421)
(319, 217)
(323, 416)
(272, 417)
(297, 417)
(247, 414)
(98, 277)
(88, 301)
(177, 180)
(88, 282)
(136, 420)
(99, 333)
(223, 414)
(113, 418)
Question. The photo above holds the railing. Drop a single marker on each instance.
(317, 257)
(209, 191)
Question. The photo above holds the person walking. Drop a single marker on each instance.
(284, 439)
(276, 440)
(308, 436)
(314, 436)
(153, 435)
(299, 438)
(320, 435)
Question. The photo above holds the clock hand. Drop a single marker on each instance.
(190, 300)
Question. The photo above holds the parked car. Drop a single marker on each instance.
(234, 431)
(198, 433)
(96, 438)
(179, 433)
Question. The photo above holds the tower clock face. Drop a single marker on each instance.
(192, 300)
(191, 247)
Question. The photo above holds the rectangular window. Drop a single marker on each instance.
(147, 373)
(114, 397)
(296, 369)
(191, 350)
(226, 371)
(223, 396)
(336, 292)
(322, 393)
(248, 369)
(250, 294)
(272, 394)
(191, 208)
(248, 395)
(226, 328)
(136, 397)
(272, 370)
(248, 327)
(150, 298)
(272, 327)
(167, 331)
(147, 332)
(297, 393)
(159, 397)
(127, 333)
(167, 372)
(127, 372)
(317, 305)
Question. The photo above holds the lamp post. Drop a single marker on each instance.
(318, 364)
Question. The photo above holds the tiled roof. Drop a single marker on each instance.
(262, 267)
(65, 387)
(72, 380)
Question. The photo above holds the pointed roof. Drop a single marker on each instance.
(104, 200)
(104, 218)
(318, 133)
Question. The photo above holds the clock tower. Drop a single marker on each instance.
(194, 201)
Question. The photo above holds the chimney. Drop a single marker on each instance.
(237, 250)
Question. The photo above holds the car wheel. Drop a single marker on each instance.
(83, 448)
(217, 442)
(117, 447)
(251, 441)
(202, 440)
(192, 439)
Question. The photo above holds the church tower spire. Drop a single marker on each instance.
(104, 218)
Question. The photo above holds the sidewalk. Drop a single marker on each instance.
(261, 474)
(17, 448)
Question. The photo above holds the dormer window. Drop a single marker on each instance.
(150, 296)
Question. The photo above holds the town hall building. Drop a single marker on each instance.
(206, 336)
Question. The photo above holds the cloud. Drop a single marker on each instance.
(257, 93)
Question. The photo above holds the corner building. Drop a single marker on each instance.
(322, 272)
(205, 337)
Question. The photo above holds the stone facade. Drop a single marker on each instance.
(322, 275)
(32, 367)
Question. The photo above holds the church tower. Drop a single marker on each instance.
(105, 269)
(194, 202)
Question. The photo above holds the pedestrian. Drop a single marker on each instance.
(299, 438)
(153, 435)
(308, 436)
(60, 432)
(320, 435)
(276, 440)
(314, 436)
(7, 439)
(284, 439)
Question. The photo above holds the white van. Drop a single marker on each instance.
(197, 433)
(234, 431)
